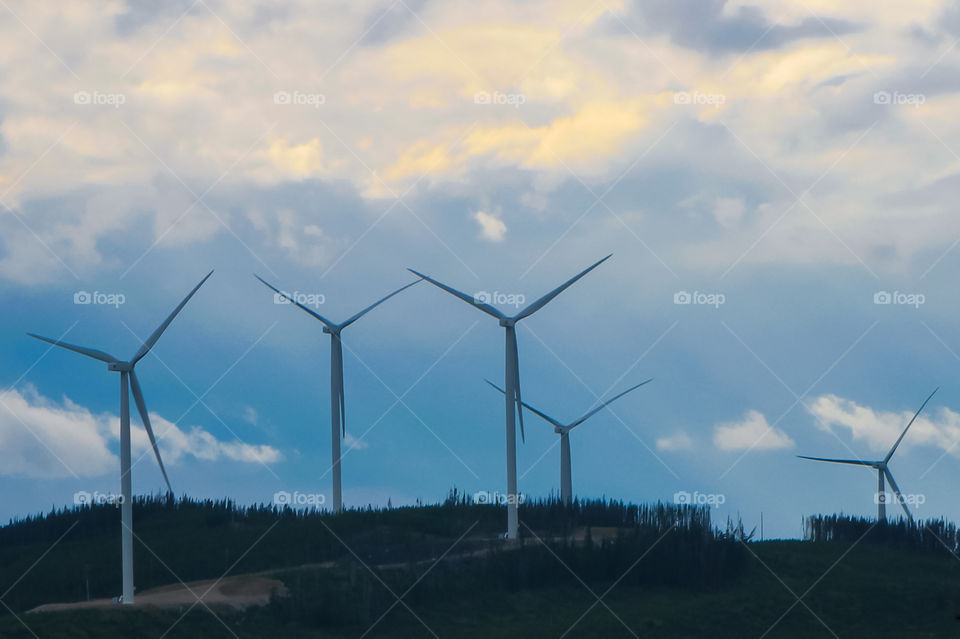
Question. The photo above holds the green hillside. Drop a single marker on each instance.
(659, 571)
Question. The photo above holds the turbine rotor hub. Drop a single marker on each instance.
(508, 322)
(120, 367)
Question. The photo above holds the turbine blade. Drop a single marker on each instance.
(896, 491)
(89, 352)
(543, 301)
(147, 345)
(495, 386)
(340, 385)
(517, 399)
(529, 407)
(469, 299)
(316, 315)
(899, 439)
(375, 304)
(142, 408)
(856, 462)
(608, 402)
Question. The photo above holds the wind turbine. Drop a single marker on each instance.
(513, 403)
(338, 426)
(882, 470)
(566, 482)
(128, 383)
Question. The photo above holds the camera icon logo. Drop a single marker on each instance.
(882, 297)
(281, 97)
(82, 498)
(482, 497)
(882, 97)
(482, 297)
(82, 297)
(882, 498)
(682, 297)
(81, 97)
(280, 298)
(682, 498)
(682, 97)
(483, 97)
(281, 498)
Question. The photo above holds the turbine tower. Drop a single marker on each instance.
(128, 384)
(566, 481)
(883, 472)
(513, 403)
(338, 426)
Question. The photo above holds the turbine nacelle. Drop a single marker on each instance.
(881, 466)
(129, 385)
(512, 395)
(338, 415)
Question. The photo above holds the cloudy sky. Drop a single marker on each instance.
(776, 182)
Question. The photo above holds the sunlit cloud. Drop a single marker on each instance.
(46, 439)
(751, 433)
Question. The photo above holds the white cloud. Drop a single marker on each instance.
(728, 211)
(751, 432)
(43, 439)
(176, 444)
(300, 240)
(880, 429)
(353, 442)
(491, 227)
(201, 107)
(39, 438)
(677, 441)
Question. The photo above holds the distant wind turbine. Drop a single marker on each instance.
(882, 470)
(566, 481)
(128, 383)
(337, 409)
(512, 398)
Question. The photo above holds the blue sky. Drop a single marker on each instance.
(788, 160)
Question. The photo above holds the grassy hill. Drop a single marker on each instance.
(658, 571)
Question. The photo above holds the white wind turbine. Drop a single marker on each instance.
(566, 481)
(337, 410)
(512, 398)
(882, 469)
(128, 383)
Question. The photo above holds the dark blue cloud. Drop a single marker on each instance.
(140, 13)
(391, 21)
(701, 25)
